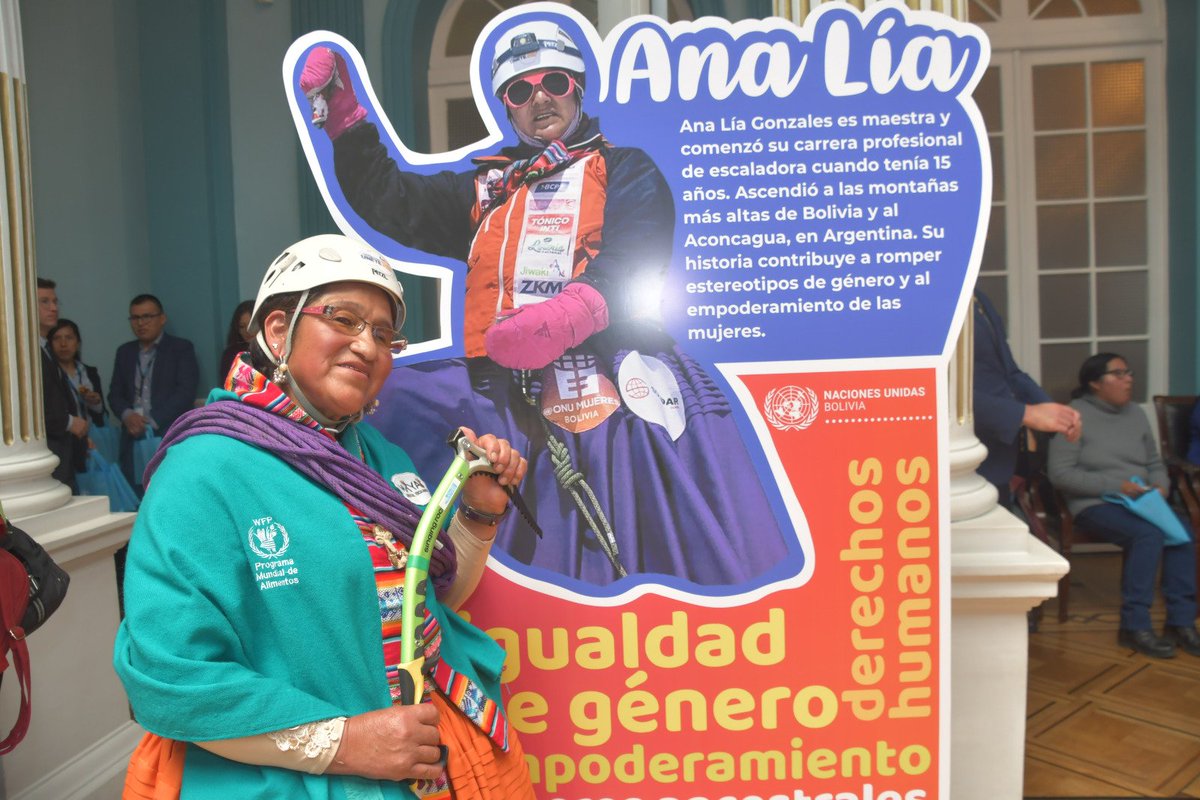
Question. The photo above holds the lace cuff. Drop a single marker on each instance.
(313, 738)
(306, 748)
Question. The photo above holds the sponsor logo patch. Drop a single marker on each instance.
(412, 487)
(268, 538)
(575, 396)
(650, 390)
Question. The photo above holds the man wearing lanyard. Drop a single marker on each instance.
(154, 378)
(65, 422)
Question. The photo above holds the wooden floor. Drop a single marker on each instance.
(1103, 721)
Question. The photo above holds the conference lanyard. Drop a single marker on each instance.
(141, 384)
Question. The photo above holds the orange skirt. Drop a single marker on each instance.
(155, 769)
(478, 770)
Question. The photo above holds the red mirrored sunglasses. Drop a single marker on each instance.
(554, 82)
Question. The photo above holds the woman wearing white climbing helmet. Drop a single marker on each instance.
(636, 462)
(264, 578)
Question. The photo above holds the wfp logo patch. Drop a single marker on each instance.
(268, 538)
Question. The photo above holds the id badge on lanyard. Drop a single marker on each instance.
(546, 252)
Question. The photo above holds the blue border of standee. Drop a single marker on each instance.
(840, 63)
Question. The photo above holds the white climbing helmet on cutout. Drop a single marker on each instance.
(531, 47)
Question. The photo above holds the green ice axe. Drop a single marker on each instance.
(469, 459)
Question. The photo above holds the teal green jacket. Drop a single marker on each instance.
(250, 606)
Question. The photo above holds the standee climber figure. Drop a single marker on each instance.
(636, 463)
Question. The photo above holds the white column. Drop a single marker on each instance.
(80, 736)
(25, 463)
(998, 571)
(970, 495)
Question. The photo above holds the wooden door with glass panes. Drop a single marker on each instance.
(1076, 249)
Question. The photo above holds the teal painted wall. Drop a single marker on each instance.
(137, 160)
(265, 151)
(189, 187)
(85, 122)
(732, 9)
(1183, 78)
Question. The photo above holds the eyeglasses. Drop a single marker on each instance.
(352, 324)
(136, 318)
(555, 83)
(1120, 373)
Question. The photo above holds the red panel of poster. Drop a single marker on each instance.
(827, 686)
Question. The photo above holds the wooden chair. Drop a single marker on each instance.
(1045, 510)
(1174, 414)
(1046, 513)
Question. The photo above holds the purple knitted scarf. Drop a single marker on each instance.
(319, 458)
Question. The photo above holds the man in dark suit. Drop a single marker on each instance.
(66, 428)
(1007, 400)
(153, 381)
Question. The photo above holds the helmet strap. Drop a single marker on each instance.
(337, 426)
(291, 331)
(281, 377)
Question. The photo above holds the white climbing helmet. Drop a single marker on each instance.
(305, 266)
(328, 258)
(531, 47)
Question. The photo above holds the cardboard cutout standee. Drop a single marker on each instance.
(719, 325)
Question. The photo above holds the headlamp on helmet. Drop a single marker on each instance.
(533, 47)
(523, 43)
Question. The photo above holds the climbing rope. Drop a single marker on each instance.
(575, 485)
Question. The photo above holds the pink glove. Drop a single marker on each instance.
(323, 81)
(531, 337)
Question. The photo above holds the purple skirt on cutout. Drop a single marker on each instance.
(691, 511)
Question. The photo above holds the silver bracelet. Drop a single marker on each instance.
(482, 517)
